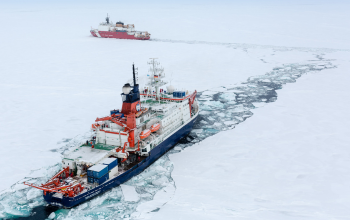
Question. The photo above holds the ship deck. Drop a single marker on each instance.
(101, 146)
(82, 179)
(87, 154)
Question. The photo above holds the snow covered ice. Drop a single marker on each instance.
(287, 161)
(272, 88)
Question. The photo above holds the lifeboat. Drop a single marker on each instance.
(141, 112)
(145, 133)
(94, 126)
(155, 127)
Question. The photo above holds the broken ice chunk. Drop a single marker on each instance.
(161, 181)
(239, 108)
(259, 104)
(33, 193)
(197, 131)
(265, 80)
(129, 193)
(219, 89)
(230, 122)
(204, 113)
(239, 118)
(221, 114)
(206, 93)
(214, 104)
(52, 215)
(285, 77)
(228, 96)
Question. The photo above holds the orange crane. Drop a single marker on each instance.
(191, 99)
(54, 185)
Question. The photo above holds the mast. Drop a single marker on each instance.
(156, 76)
(133, 74)
(107, 19)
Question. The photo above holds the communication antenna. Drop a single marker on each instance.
(154, 64)
(171, 77)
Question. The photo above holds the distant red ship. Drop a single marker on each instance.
(119, 30)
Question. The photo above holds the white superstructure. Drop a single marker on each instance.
(160, 113)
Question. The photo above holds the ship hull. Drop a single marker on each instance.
(157, 152)
(116, 34)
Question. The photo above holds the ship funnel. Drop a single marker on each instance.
(126, 89)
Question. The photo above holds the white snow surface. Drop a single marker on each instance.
(288, 160)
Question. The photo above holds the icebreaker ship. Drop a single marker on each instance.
(124, 143)
(119, 30)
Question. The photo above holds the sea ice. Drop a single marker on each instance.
(208, 93)
(34, 193)
(259, 104)
(61, 91)
(216, 104)
(129, 193)
(230, 122)
(52, 215)
(161, 181)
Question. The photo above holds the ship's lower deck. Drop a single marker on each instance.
(82, 179)
(116, 34)
(126, 172)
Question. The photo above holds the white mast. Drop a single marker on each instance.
(156, 76)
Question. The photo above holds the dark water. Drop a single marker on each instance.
(234, 103)
(40, 212)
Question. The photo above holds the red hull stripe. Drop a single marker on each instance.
(112, 132)
(119, 35)
(93, 33)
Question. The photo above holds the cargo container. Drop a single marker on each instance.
(113, 172)
(97, 171)
(180, 94)
(89, 173)
(90, 179)
(110, 162)
(102, 179)
(114, 111)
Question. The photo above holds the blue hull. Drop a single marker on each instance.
(155, 153)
